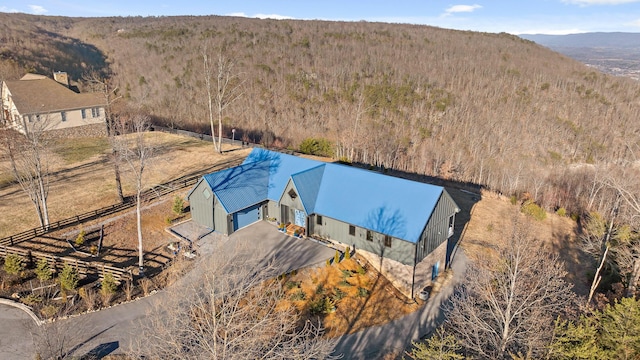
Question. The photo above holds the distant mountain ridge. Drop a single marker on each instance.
(616, 53)
(620, 40)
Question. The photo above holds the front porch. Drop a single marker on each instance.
(293, 230)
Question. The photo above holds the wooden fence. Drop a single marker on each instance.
(148, 195)
(87, 268)
(56, 263)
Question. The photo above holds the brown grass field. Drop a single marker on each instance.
(82, 178)
(492, 220)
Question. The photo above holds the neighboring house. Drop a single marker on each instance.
(390, 217)
(36, 101)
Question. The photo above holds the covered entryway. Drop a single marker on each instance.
(246, 217)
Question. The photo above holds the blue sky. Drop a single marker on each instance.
(512, 16)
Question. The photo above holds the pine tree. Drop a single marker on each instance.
(438, 347)
(43, 272)
(68, 278)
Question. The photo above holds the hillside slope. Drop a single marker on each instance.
(490, 109)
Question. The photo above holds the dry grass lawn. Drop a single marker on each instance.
(492, 220)
(82, 178)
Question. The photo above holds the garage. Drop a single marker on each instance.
(246, 217)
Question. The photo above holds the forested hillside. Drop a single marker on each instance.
(490, 109)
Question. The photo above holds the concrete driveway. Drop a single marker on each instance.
(284, 252)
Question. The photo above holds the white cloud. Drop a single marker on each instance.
(462, 8)
(272, 16)
(598, 2)
(37, 9)
(8, 10)
(262, 16)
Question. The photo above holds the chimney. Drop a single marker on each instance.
(61, 77)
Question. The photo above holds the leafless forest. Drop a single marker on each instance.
(488, 109)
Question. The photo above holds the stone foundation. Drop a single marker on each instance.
(401, 276)
(85, 131)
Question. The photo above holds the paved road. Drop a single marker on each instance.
(115, 330)
(15, 339)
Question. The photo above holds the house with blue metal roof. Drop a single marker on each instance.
(390, 217)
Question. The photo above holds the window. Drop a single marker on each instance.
(319, 219)
(63, 116)
(352, 230)
(95, 112)
(369, 235)
(387, 241)
(83, 112)
(292, 194)
(206, 194)
(38, 117)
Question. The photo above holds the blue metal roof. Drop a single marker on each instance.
(385, 204)
(281, 167)
(308, 185)
(242, 186)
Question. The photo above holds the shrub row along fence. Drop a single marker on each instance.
(56, 263)
(149, 195)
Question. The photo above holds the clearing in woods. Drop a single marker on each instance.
(348, 298)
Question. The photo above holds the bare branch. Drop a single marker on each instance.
(508, 307)
(230, 310)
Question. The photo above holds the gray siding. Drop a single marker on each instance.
(221, 219)
(202, 207)
(437, 230)
(273, 210)
(291, 203)
(285, 199)
(400, 250)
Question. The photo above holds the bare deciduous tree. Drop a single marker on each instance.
(627, 251)
(507, 307)
(110, 93)
(29, 162)
(227, 89)
(59, 339)
(230, 309)
(136, 152)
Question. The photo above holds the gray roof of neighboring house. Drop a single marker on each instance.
(40, 94)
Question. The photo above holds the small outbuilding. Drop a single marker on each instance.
(393, 218)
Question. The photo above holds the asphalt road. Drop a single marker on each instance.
(15, 333)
